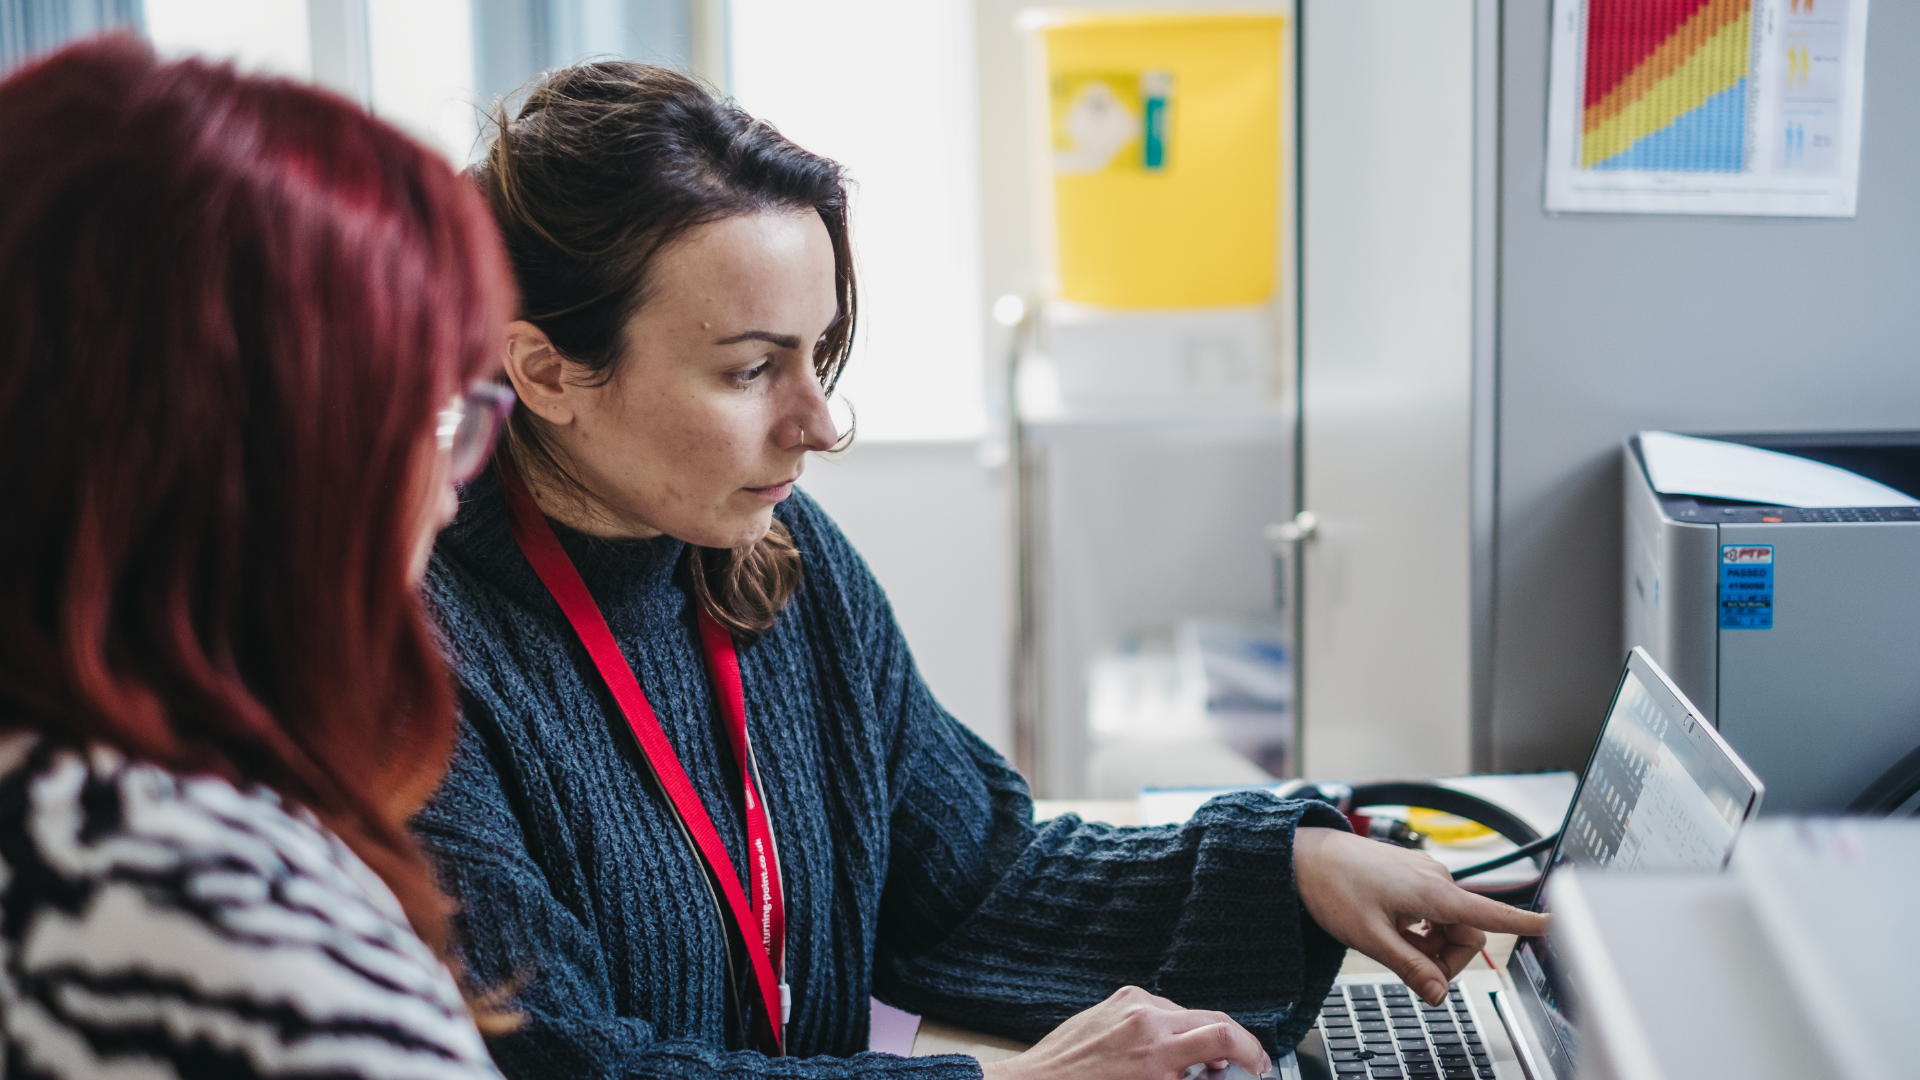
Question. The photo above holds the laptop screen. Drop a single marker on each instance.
(1661, 791)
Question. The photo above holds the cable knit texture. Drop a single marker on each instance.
(914, 871)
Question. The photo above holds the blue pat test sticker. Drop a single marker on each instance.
(1746, 586)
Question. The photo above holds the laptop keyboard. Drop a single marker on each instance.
(1385, 1033)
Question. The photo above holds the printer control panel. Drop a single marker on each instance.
(1721, 512)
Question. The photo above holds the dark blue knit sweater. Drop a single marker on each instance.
(913, 868)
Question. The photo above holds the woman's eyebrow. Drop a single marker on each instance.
(784, 341)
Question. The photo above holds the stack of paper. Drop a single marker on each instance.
(1683, 465)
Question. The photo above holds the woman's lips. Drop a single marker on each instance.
(774, 493)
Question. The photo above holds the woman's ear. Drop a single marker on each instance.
(538, 371)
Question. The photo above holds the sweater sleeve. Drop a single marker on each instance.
(997, 924)
(517, 935)
(1204, 914)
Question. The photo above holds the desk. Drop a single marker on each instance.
(935, 1037)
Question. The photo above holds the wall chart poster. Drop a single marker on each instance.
(1706, 106)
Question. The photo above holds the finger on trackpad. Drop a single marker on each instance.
(1231, 1072)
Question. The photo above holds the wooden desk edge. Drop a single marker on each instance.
(935, 1037)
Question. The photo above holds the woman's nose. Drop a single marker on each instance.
(810, 424)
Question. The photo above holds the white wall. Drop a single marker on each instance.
(260, 35)
(420, 57)
(887, 89)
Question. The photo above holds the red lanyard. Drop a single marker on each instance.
(556, 570)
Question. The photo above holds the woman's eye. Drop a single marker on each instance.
(752, 373)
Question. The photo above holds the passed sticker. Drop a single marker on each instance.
(1746, 587)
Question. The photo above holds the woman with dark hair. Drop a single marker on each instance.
(703, 805)
(245, 321)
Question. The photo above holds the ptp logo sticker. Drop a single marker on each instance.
(1746, 587)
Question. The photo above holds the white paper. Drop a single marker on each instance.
(1785, 142)
(1682, 465)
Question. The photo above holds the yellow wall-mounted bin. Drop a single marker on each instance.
(1164, 155)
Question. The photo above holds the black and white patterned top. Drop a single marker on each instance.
(153, 925)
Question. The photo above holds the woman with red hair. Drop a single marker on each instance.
(245, 324)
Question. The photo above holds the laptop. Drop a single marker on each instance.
(1661, 791)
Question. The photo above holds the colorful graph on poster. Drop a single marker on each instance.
(1667, 85)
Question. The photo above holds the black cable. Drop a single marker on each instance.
(1516, 855)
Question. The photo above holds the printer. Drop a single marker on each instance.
(1790, 964)
(1796, 629)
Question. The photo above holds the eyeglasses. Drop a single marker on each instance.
(469, 425)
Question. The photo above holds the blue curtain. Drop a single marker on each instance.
(28, 27)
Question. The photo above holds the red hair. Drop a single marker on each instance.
(235, 305)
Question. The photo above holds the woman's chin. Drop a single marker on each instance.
(731, 534)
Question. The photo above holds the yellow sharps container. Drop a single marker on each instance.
(1165, 156)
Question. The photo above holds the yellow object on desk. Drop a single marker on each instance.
(1444, 828)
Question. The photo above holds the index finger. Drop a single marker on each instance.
(1491, 915)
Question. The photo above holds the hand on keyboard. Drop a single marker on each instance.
(1134, 1035)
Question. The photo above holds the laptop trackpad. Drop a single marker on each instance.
(1312, 1055)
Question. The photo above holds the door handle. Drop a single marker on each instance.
(1303, 527)
(1286, 538)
